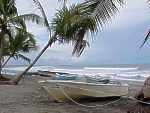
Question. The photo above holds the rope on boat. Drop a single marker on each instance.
(83, 105)
(61, 84)
(115, 101)
(140, 101)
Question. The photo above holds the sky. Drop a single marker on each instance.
(118, 43)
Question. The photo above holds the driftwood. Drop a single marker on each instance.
(3, 78)
(46, 73)
(10, 82)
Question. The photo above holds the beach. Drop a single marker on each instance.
(30, 97)
(55, 52)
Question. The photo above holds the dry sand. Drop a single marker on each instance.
(29, 97)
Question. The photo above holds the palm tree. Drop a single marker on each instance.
(23, 42)
(72, 24)
(11, 22)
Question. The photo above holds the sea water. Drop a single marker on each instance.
(127, 72)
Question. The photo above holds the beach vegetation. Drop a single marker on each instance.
(22, 43)
(14, 37)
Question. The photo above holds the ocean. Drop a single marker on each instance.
(118, 72)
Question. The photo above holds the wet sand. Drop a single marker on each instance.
(29, 97)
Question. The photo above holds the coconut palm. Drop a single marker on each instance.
(22, 43)
(10, 23)
(72, 24)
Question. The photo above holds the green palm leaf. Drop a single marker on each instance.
(102, 10)
(22, 43)
(73, 24)
(7, 7)
(21, 56)
(147, 35)
(39, 6)
(146, 38)
(27, 17)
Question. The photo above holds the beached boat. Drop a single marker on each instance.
(146, 88)
(63, 90)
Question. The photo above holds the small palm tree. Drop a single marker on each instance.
(72, 24)
(10, 23)
(22, 43)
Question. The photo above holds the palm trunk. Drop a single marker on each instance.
(3, 65)
(18, 77)
(0, 60)
(1, 51)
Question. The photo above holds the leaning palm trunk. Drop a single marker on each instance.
(6, 61)
(1, 58)
(1, 52)
(18, 77)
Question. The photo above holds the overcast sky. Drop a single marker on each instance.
(117, 44)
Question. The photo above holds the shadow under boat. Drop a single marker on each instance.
(97, 99)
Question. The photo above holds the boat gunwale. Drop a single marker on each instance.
(85, 83)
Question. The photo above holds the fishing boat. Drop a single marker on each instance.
(64, 90)
(146, 88)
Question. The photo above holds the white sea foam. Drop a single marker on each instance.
(101, 68)
(107, 72)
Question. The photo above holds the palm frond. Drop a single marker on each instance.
(7, 7)
(11, 7)
(102, 10)
(20, 56)
(71, 26)
(28, 17)
(64, 2)
(17, 23)
(39, 6)
(148, 33)
(79, 47)
(145, 39)
(23, 42)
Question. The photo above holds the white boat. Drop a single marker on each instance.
(146, 92)
(64, 90)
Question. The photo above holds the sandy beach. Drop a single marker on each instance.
(29, 97)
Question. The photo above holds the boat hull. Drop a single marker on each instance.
(146, 91)
(66, 90)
